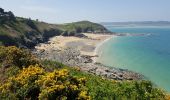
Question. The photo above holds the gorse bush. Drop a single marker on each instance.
(23, 84)
(12, 59)
(13, 56)
(59, 84)
(34, 83)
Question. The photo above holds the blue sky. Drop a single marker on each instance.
(62, 11)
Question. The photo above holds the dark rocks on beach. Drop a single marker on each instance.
(80, 35)
(88, 48)
(87, 59)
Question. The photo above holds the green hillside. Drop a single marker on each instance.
(26, 32)
(84, 27)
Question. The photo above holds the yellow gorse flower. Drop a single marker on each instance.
(30, 72)
(83, 95)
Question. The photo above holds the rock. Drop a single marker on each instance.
(41, 51)
(107, 70)
(80, 35)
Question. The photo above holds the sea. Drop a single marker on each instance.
(146, 50)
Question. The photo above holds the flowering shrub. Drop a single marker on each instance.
(13, 56)
(59, 84)
(23, 84)
(34, 83)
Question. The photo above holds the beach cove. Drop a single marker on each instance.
(81, 52)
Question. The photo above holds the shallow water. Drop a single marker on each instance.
(148, 54)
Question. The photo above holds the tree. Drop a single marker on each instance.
(11, 16)
(31, 24)
(37, 20)
(1, 10)
(6, 16)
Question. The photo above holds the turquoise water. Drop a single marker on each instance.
(148, 55)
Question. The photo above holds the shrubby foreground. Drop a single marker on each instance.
(26, 77)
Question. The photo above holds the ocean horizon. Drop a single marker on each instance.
(147, 54)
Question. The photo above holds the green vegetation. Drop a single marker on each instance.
(12, 59)
(52, 80)
(13, 56)
(26, 32)
(83, 27)
(104, 89)
(6, 17)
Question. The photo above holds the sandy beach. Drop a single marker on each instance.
(86, 46)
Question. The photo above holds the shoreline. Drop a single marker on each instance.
(99, 45)
(101, 42)
(80, 52)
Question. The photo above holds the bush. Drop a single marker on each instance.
(34, 83)
(52, 65)
(13, 56)
(105, 89)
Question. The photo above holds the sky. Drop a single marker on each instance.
(64, 11)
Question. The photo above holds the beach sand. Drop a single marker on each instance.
(86, 46)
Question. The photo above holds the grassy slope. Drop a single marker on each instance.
(27, 32)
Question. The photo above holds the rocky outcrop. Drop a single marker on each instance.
(72, 57)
